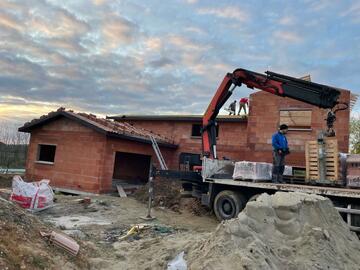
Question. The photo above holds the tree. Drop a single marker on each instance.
(355, 135)
(13, 147)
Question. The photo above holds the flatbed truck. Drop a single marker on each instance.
(212, 181)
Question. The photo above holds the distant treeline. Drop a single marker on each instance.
(12, 156)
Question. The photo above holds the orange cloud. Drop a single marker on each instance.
(58, 24)
(117, 31)
(186, 44)
(234, 13)
(288, 36)
(10, 22)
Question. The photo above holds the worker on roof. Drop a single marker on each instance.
(244, 102)
(280, 150)
(232, 108)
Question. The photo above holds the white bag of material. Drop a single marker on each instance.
(178, 263)
(33, 196)
(245, 170)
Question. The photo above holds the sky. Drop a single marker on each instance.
(164, 57)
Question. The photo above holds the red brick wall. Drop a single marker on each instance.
(264, 120)
(84, 159)
(78, 156)
(252, 140)
(232, 138)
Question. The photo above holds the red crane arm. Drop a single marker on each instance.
(319, 95)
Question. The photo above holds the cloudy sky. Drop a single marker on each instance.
(126, 57)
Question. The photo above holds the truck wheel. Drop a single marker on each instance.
(228, 204)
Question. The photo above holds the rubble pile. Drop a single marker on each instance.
(281, 231)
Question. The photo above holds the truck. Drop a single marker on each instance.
(210, 178)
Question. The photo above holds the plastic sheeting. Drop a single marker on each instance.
(178, 263)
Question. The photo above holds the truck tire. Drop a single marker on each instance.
(228, 204)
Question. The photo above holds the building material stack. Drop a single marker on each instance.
(353, 171)
(322, 162)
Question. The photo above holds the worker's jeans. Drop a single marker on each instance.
(278, 167)
(242, 106)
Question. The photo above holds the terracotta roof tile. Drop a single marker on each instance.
(106, 125)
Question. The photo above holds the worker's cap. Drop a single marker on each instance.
(283, 127)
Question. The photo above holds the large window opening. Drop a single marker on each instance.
(46, 153)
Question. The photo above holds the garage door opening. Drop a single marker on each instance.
(131, 169)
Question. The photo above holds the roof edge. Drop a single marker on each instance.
(28, 128)
(187, 118)
(54, 116)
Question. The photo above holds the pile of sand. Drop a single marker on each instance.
(281, 231)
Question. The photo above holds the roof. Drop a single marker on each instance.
(107, 127)
(187, 118)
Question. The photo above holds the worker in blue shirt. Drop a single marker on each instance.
(280, 150)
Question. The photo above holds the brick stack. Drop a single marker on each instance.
(353, 171)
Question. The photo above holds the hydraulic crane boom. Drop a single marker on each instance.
(323, 96)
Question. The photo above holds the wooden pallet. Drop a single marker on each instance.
(332, 161)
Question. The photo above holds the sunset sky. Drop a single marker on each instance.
(168, 57)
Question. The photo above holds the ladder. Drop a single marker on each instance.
(158, 153)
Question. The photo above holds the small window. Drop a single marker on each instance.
(196, 130)
(46, 153)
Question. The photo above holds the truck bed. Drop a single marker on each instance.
(320, 190)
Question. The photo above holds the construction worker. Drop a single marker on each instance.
(232, 108)
(280, 150)
(244, 102)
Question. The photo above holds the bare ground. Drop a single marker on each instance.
(98, 228)
(258, 239)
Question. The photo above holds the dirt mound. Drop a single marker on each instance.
(21, 246)
(166, 193)
(5, 180)
(194, 206)
(282, 231)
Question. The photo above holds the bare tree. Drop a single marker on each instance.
(13, 147)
